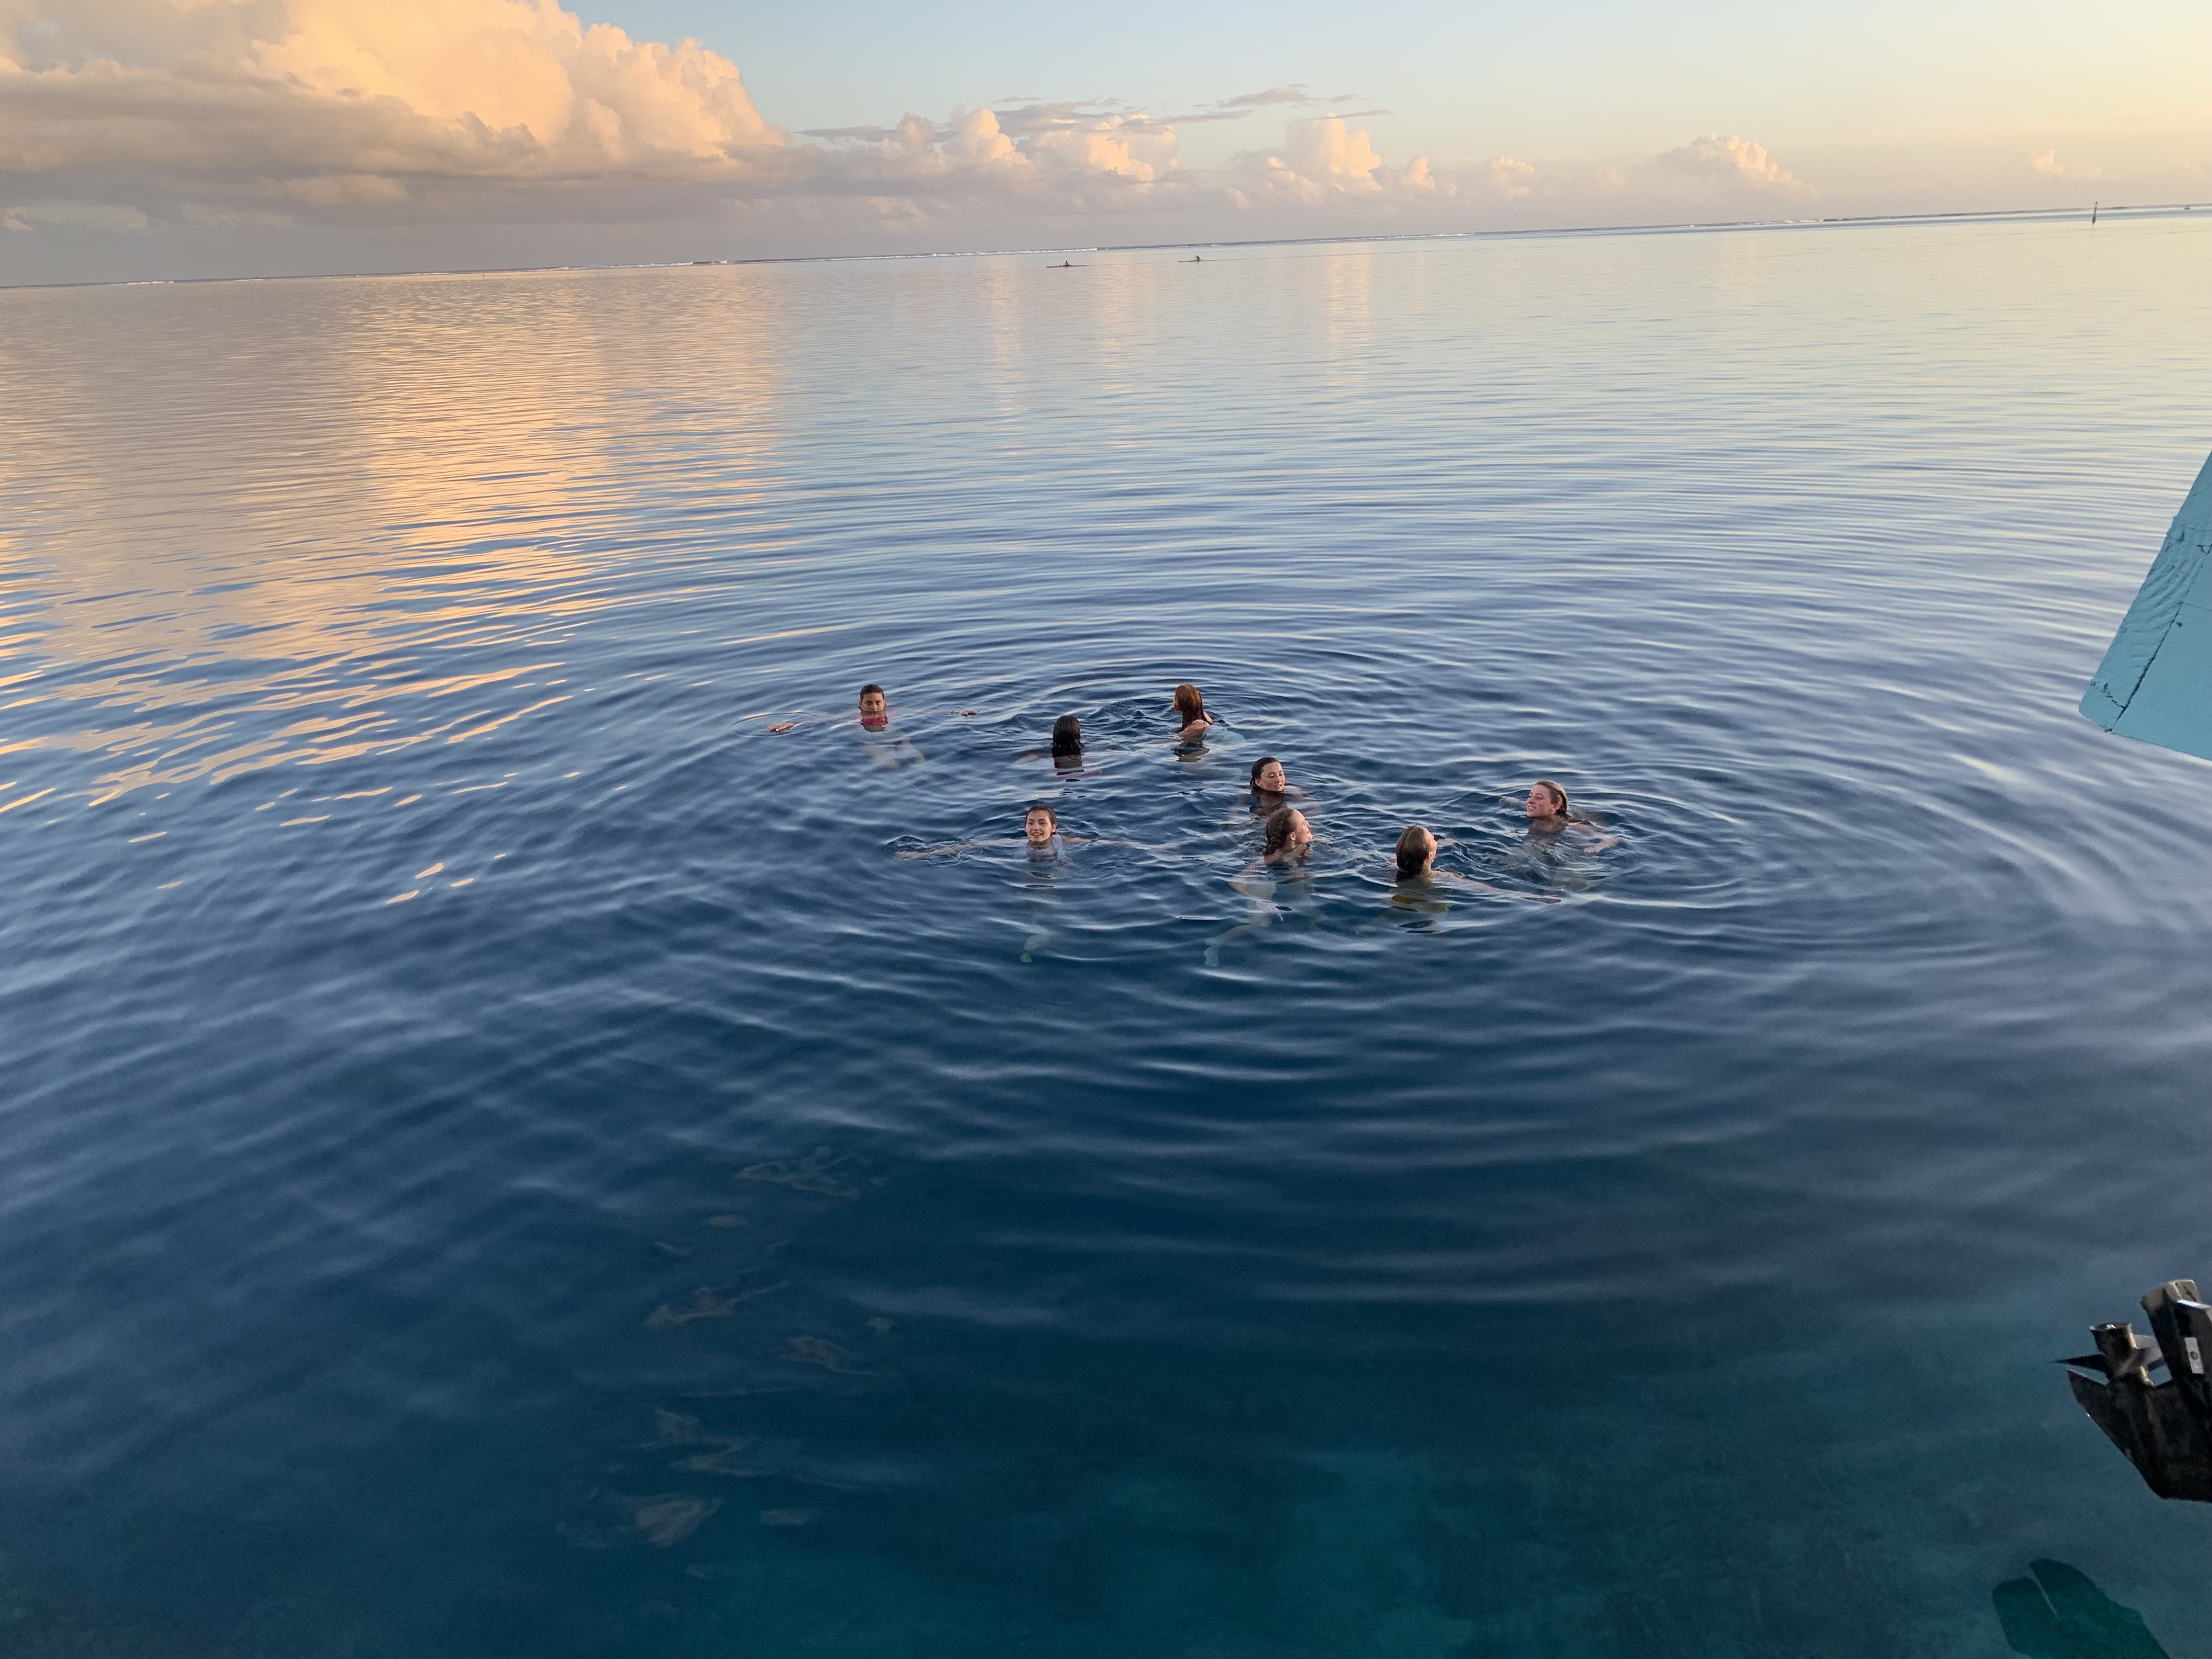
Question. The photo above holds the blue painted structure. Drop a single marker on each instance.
(2155, 681)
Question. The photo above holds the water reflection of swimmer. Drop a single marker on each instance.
(1287, 841)
(1551, 813)
(1190, 714)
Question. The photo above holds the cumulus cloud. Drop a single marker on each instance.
(1714, 164)
(1729, 173)
(1508, 178)
(1325, 158)
(384, 110)
(977, 138)
(2047, 162)
(258, 116)
(516, 90)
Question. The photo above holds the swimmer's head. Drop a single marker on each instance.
(1041, 823)
(1068, 735)
(1190, 703)
(1546, 799)
(1267, 775)
(1287, 831)
(872, 711)
(1416, 848)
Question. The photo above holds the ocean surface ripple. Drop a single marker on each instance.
(499, 1156)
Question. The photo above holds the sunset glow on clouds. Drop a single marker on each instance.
(392, 108)
(146, 118)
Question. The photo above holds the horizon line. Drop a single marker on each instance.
(2093, 212)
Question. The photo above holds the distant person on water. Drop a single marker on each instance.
(875, 713)
(1271, 788)
(1039, 835)
(1551, 813)
(1416, 854)
(1190, 712)
(1041, 840)
(1067, 744)
(1285, 838)
(886, 748)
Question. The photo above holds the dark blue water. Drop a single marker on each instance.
(499, 1158)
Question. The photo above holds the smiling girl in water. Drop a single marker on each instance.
(1040, 834)
(1270, 789)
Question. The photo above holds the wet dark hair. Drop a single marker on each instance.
(1566, 809)
(1068, 735)
(1190, 701)
(1261, 765)
(1416, 847)
(877, 689)
(1045, 807)
(1278, 829)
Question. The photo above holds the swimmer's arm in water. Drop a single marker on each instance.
(1502, 892)
(781, 726)
(957, 846)
(1454, 876)
(1258, 867)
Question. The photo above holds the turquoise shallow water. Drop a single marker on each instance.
(498, 1157)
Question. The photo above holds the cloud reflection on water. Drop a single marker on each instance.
(221, 608)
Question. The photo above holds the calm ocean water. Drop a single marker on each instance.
(498, 1157)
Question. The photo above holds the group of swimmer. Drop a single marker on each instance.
(1287, 838)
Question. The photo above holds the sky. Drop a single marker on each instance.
(173, 138)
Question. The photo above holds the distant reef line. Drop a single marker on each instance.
(2091, 213)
